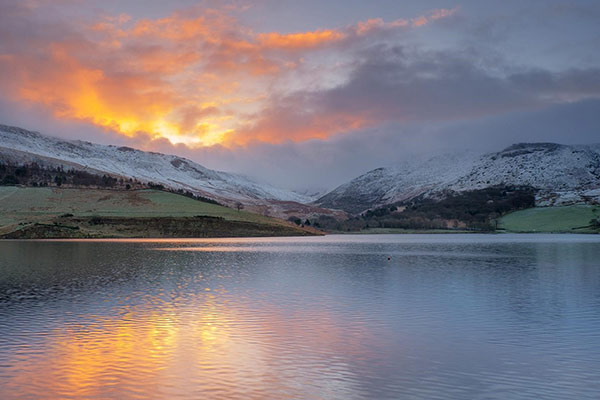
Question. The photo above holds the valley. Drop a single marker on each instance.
(51, 187)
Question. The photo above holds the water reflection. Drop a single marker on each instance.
(446, 317)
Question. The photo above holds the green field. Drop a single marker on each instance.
(22, 207)
(574, 219)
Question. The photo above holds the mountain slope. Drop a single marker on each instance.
(562, 174)
(20, 145)
(389, 185)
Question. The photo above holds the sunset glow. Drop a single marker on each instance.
(317, 91)
(199, 78)
(283, 199)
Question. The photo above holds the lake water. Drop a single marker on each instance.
(446, 317)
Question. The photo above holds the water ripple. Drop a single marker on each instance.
(447, 317)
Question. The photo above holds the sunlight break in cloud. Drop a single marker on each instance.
(196, 78)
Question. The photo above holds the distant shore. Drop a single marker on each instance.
(391, 231)
(148, 227)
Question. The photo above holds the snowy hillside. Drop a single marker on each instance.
(563, 174)
(172, 171)
(388, 185)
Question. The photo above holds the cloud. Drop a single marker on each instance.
(563, 86)
(160, 76)
(391, 84)
(369, 25)
(323, 164)
(302, 40)
(302, 109)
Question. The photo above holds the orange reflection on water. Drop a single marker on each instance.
(89, 360)
(220, 248)
(202, 346)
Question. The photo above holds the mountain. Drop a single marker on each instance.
(20, 146)
(562, 174)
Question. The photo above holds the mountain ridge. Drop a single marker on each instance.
(170, 170)
(561, 174)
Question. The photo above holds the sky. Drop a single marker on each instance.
(303, 94)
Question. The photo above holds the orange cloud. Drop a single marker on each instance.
(300, 40)
(73, 90)
(298, 126)
(173, 28)
(367, 26)
(197, 79)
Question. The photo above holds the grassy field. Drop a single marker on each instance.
(574, 219)
(23, 206)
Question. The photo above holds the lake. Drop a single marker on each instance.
(445, 317)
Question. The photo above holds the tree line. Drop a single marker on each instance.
(33, 174)
(36, 175)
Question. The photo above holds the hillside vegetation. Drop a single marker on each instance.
(82, 212)
(476, 210)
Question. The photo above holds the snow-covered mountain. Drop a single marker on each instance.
(562, 174)
(20, 145)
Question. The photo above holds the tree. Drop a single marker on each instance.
(10, 180)
(295, 220)
(239, 206)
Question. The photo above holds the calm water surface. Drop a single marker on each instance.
(447, 317)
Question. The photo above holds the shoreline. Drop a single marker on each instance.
(152, 227)
(4, 238)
